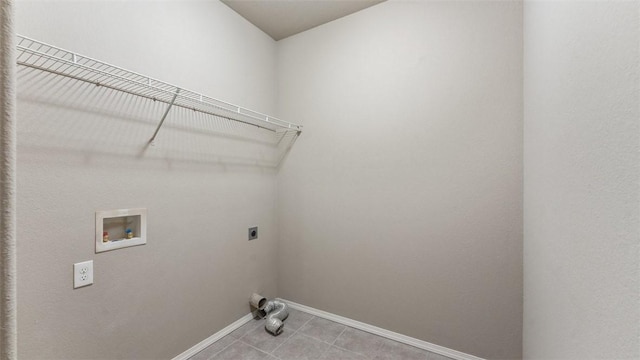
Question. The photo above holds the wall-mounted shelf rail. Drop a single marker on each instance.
(38, 55)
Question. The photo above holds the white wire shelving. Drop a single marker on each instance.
(41, 56)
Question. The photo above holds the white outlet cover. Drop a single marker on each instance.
(82, 274)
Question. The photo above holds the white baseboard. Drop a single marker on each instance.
(213, 338)
(454, 354)
(420, 344)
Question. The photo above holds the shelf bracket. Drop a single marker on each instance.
(164, 116)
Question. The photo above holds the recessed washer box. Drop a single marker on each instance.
(113, 226)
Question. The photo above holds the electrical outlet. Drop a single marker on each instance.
(82, 274)
(253, 233)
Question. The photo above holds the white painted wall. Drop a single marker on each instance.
(581, 192)
(401, 204)
(79, 151)
(402, 197)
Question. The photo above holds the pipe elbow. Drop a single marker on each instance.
(275, 311)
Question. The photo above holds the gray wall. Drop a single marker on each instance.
(79, 151)
(401, 204)
(581, 256)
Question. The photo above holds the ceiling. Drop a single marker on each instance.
(283, 18)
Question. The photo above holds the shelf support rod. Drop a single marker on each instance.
(166, 112)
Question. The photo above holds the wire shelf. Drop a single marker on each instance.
(41, 56)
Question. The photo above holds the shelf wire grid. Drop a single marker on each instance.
(41, 56)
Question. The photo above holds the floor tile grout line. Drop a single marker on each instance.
(277, 347)
(315, 338)
(260, 350)
(370, 334)
(263, 351)
(271, 354)
(308, 337)
(241, 339)
(306, 322)
(351, 351)
(248, 331)
(333, 343)
(300, 327)
(329, 345)
(294, 332)
(221, 350)
(341, 332)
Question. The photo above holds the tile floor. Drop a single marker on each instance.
(307, 337)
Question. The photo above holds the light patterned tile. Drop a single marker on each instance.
(322, 329)
(214, 348)
(359, 342)
(301, 347)
(240, 351)
(265, 341)
(335, 353)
